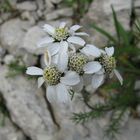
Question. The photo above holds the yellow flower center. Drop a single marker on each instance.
(108, 62)
(61, 34)
(52, 75)
(77, 62)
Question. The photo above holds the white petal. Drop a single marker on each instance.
(76, 40)
(81, 34)
(92, 67)
(34, 71)
(91, 50)
(72, 47)
(51, 93)
(54, 48)
(87, 79)
(62, 24)
(45, 41)
(97, 80)
(55, 59)
(49, 29)
(47, 58)
(118, 76)
(75, 27)
(63, 56)
(109, 51)
(62, 93)
(70, 78)
(40, 81)
(79, 86)
(101, 71)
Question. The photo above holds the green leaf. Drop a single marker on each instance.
(105, 33)
(116, 23)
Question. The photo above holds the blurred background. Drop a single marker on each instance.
(111, 112)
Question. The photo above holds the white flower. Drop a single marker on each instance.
(61, 34)
(91, 51)
(78, 62)
(58, 81)
(108, 67)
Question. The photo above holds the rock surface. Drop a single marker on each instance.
(26, 105)
(31, 39)
(9, 132)
(11, 34)
(100, 13)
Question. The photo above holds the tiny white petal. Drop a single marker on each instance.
(75, 27)
(62, 93)
(34, 71)
(47, 58)
(63, 56)
(51, 93)
(40, 81)
(45, 41)
(92, 67)
(102, 51)
(109, 51)
(97, 80)
(70, 78)
(72, 47)
(54, 48)
(62, 24)
(101, 71)
(81, 34)
(79, 86)
(49, 29)
(55, 59)
(87, 79)
(76, 40)
(118, 76)
(91, 50)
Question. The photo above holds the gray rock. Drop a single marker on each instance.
(2, 52)
(63, 12)
(9, 132)
(27, 16)
(138, 109)
(30, 40)
(100, 13)
(9, 58)
(6, 16)
(40, 4)
(12, 33)
(49, 5)
(13, 3)
(137, 85)
(26, 105)
(27, 5)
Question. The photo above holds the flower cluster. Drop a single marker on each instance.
(71, 64)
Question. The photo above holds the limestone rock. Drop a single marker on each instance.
(11, 34)
(26, 105)
(100, 13)
(9, 132)
(63, 12)
(27, 5)
(31, 39)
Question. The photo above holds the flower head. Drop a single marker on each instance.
(108, 63)
(58, 35)
(77, 62)
(58, 81)
(108, 67)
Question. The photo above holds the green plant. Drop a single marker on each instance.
(16, 67)
(123, 97)
(3, 111)
(5, 6)
(80, 7)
